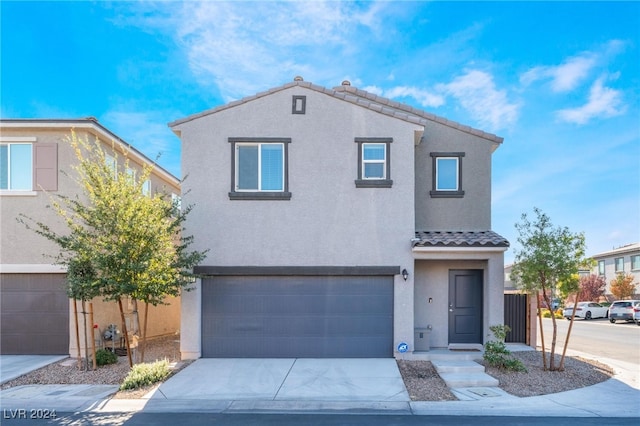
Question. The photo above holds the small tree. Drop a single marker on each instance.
(121, 241)
(592, 287)
(547, 262)
(623, 286)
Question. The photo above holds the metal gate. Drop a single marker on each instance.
(515, 316)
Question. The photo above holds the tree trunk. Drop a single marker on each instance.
(93, 337)
(566, 342)
(544, 352)
(75, 315)
(86, 343)
(144, 330)
(126, 334)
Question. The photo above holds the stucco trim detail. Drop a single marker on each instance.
(296, 270)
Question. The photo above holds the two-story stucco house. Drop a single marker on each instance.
(622, 260)
(338, 223)
(35, 165)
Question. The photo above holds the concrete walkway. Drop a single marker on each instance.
(12, 366)
(361, 386)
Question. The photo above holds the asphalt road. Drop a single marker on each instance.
(197, 419)
(598, 337)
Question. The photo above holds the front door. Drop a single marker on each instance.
(465, 306)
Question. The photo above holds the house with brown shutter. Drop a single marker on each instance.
(36, 165)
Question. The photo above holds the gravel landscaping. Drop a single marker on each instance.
(420, 377)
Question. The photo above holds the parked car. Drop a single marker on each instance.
(636, 312)
(622, 310)
(586, 310)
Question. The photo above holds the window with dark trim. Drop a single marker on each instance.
(374, 163)
(619, 264)
(635, 262)
(299, 105)
(259, 169)
(447, 175)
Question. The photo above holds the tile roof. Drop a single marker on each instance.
(459, 239)
(365, 99)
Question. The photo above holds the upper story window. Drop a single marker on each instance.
(16, 162)
(374, 165)
(635, 262)
(26, 166)
(600, 267)
(619, 263)
(447, 175)
(259, 168)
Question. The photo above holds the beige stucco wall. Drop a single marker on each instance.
(432, 281)
(163, 320)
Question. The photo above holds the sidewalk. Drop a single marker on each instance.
(356, 387)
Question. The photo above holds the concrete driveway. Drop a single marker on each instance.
(12, 366)
(287, 379)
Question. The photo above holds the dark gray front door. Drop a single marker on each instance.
(465, 306)
(297, 316)
(34, 314)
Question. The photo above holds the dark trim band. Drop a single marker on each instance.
(296, 270)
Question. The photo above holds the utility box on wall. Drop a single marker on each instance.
(421, 339)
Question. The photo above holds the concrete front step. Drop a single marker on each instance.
(467, 380)
(454, 366)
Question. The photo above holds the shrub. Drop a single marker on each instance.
(496, 353)
(104, 357)
(146, 374)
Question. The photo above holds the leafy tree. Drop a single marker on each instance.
(592, 287)
(548, 262)
(120, 242)
(623, 286)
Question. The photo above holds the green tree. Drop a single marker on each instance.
(547, 263)
(623, 286)
(120, 242)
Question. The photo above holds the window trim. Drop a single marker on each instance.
(438, 193)
(361, 181)
(9, 143)
(601, 267)
(637, 261)
(235, 194)
(299, 108)
(615, 265)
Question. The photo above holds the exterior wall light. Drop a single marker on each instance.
(405, 274)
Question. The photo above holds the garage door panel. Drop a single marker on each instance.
(34, 315)
(297, 316)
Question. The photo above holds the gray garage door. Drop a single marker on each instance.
(297, 317)
(34, 314)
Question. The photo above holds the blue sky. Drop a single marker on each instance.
(559, 81)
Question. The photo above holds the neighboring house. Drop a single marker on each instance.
(35, 165)
(622, 260)
(339, 223)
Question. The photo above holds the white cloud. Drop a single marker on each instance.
(477, 93)
(424, 97)
(564, 77)
(603, 102)
(241, 48)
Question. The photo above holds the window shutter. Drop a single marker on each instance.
(45, 166)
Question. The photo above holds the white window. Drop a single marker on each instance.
(259, 167)
(176, 200)
(374, 160)
(600, 267)
(447, 174)
(619, 262)
(635, 262)
(146, 187)
(112, 164)
(16, 166)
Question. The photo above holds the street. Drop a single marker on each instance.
(598, 337)
(189, 419)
